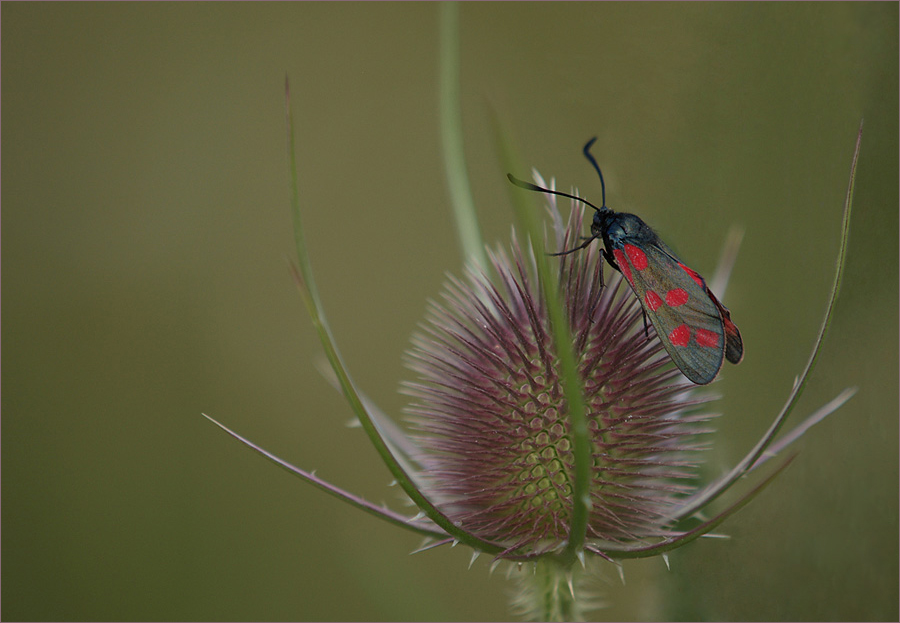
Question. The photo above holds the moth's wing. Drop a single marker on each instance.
(734, 345)
(688, 319)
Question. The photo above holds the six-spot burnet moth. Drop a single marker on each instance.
(694, 327)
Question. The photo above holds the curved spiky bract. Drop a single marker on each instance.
(417, 524)
(758, 454)
(492, 416)
(303, 276)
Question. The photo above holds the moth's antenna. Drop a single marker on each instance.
(587, 154)
(530, 186)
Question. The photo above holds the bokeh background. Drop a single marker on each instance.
(145, 245)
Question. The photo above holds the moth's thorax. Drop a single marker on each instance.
(615, 227)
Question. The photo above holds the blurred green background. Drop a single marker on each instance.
(146, 231)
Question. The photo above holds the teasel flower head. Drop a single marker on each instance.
(494, 436)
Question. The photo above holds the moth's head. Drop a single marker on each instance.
(600, 223)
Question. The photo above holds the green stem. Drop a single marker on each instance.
(452, 139)
(548, 591)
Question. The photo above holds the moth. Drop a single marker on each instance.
(693, 326)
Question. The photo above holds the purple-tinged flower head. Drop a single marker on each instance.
(490, 410)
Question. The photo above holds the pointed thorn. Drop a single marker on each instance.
(429, 543)
(571, 585)
(665, 558)
(494, 565)
(580, 556)
(621, 570)
(474, 557)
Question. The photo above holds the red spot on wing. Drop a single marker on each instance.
(676, 297)
(708, 338)
(623, 265)
(652, 300)
(680, 335)
(696, 277)
(637, 257)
